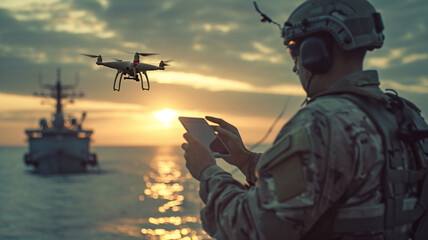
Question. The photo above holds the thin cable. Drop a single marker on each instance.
(272, 126)
(267, 133)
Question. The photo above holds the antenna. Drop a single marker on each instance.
(58, 74)
(266, 18)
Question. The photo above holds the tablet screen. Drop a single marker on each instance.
(202, 131)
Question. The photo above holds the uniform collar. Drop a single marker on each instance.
(361, 83)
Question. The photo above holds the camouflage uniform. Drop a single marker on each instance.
(328, 151)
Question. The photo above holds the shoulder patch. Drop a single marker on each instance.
(295, 141)
(289, 178)
(283, 159)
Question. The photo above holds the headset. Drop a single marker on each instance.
(316, 54)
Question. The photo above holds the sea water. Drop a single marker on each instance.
(137, 193)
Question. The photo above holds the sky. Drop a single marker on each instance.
(226, 63)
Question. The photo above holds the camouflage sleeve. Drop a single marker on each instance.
(227, 214)
(315, 159)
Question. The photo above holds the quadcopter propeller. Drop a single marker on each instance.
(147, 54)
(165, 63)
(143, 54)
(97, 56)
(90, 55)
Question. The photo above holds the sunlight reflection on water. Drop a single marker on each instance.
(140, 193)
(175, 190)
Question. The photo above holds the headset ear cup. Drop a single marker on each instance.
(315, 54)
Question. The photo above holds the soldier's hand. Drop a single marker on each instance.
(229, 134)
(198, 158)
(225, 125)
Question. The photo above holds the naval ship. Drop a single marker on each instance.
(61, 145)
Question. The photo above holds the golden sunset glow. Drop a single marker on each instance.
(166, 115)
(118, 124)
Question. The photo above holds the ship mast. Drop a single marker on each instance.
(59, 116)
(58, 92)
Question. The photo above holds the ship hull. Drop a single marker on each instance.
(59, 154)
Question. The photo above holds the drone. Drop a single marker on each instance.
(131, 70)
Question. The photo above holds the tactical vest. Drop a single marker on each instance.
(403, 214)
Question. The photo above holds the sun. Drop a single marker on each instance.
(166, 115)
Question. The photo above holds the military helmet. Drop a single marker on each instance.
(352, 23)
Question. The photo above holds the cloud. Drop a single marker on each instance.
(422, 87)
(61, 17)
(213, 83)
(223, 28)
(387, 60)
(221, 49)
(263, 48)
(226, 60)
(165, 28)
(415, 57)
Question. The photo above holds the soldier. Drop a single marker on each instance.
(351, 164)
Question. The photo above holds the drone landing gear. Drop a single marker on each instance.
(147, 80)
(133, 78)
(120, 81)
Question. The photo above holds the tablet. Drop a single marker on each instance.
(203, 132)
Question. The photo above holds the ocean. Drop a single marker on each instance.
(137, 193)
